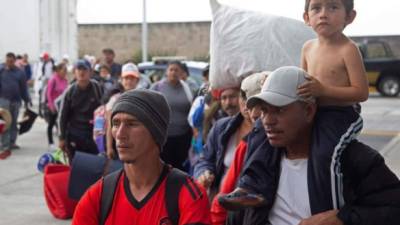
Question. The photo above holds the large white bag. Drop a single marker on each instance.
(243, 42)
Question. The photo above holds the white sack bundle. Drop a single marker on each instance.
(243, 42)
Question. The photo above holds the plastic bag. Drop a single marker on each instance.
(243, 42)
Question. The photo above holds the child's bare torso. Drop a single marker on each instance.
(326, 63)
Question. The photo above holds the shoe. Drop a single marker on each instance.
(14, 146)
(240, 199)
(5, 154)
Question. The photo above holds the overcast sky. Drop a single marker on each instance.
(373, 17)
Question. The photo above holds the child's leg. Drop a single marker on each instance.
(257, 180)
(333, 130)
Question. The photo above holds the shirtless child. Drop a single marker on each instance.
(333, 60)
(338, 82)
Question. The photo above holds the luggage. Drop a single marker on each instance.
(86, 169)
(55, 156)
(243, 42)
(27, 121)
(56, 179)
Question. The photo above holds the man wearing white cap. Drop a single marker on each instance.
(130, 78)
(370, 191)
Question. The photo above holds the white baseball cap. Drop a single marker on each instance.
(252, 84)
(130, 69)
(280, 87)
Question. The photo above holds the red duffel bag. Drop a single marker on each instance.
(56, 178)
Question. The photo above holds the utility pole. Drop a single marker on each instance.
(144, 34)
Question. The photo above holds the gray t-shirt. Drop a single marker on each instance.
(178, 100)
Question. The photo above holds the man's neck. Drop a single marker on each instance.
(82, 84)
(143, 176)
(301, 148)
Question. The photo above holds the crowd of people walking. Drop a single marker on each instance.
(281, 148)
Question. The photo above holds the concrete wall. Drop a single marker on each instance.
(189, 39)
(393, 41)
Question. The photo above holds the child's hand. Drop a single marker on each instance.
(311, 88)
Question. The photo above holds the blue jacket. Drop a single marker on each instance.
(13, 85)
(215, 148)
(371, 191)
(254, 139)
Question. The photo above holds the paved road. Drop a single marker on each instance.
(21, 185)
(382, 127)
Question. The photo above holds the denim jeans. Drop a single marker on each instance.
(9, 137)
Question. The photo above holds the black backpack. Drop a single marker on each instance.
(175, 179)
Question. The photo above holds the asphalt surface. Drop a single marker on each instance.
(21, 184)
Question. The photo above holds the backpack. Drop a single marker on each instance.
(175, 179)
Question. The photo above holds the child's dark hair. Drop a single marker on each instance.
(348, 5)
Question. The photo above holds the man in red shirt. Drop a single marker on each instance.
(139, 123)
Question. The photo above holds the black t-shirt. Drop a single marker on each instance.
(82, 104)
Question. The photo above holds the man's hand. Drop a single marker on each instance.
(311, 88)
(324, 218)
(206, 179)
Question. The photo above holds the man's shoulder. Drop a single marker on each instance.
(356, 147)
(193, 204)
(223, 122)
(93, 193)
(359, 157)
(191, 190)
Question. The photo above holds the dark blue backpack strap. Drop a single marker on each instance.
(107, 195)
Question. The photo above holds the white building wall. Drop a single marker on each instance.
(19, 22)
(35, 26)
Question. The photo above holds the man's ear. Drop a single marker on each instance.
(350, 17)
(306, 19)
(311, 110)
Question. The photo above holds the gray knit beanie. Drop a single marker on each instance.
(150, 108)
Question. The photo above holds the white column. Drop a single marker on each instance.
(144, 33)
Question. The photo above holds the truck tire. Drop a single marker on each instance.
(389, 86)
